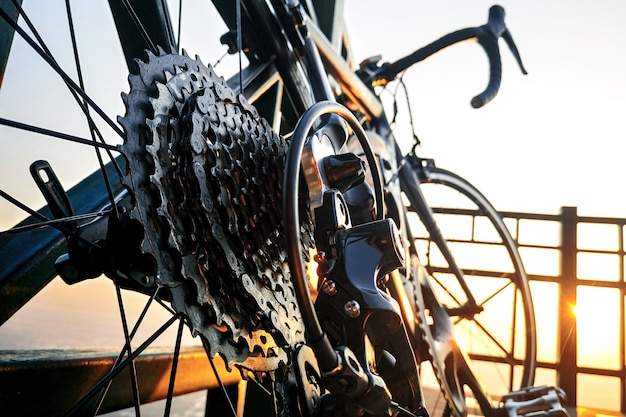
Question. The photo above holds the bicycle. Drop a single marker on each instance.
(222, 217)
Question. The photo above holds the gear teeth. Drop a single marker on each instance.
(122, 120)
(195, 214)
(424, 329)
(177, 92)
(136, 83)
(163, 102)
(149, 55)
(142, 67)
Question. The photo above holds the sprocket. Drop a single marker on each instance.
(446, 356)
(206, 174)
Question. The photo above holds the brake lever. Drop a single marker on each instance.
(488, 37)
(508, 38)
(497, 28)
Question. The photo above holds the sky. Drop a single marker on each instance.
(552, 138)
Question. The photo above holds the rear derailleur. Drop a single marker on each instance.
(376, 367)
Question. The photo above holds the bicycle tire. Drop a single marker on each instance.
(166, 88)
(437, 301)
(251, 154)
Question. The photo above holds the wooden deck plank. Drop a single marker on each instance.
(47, 383)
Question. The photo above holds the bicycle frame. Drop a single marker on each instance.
(286, 79)
(263, 85)
(361, 99)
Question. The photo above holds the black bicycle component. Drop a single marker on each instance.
(54, 193)
(330, 217)
(448, 358)
(229, 39)
(411, 186)
(495, 28)
(357, 313)
(505, 336)
(326, 142)
(364, 254)
(360, 201)
(85, 258)
(316, 336)
(107, 246)
(142, 25)
(307, 383)
(487, 36)
(204, 225)
(344, 171)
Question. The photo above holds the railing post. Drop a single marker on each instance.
(567, 367)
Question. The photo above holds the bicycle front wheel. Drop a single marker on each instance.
(498, 336)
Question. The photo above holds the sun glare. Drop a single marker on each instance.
(597, 321)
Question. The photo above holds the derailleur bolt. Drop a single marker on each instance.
(352, 309)
(320, 257)
(329, 287)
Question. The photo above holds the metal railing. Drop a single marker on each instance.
(555, 249)
(576, 267)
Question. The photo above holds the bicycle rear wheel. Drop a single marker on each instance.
(246, 165)
(499, 340)
(203, 172)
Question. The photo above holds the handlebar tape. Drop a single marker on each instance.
(487, 36)
(490, 45)
(488, 39)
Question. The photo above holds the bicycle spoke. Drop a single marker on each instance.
(24, 207)
(143, 313)
(142, 30)
(180, 25)
(58, 135)
(131, 368)
(170, 389)
(492, 296)
(90, 122)
(126, 348)
(57, 223)
(219, 380)
(165, 306)
(64, 76)
(445, 288)
(239, 43)
(43, 45)
(509, 360)
(513, 332)
(265, 390)
(50, 223)
(505, 351)
(116, 370)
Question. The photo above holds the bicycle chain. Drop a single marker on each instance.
(206, 174)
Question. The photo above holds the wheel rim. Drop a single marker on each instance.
(504, 331)
(115, 140)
